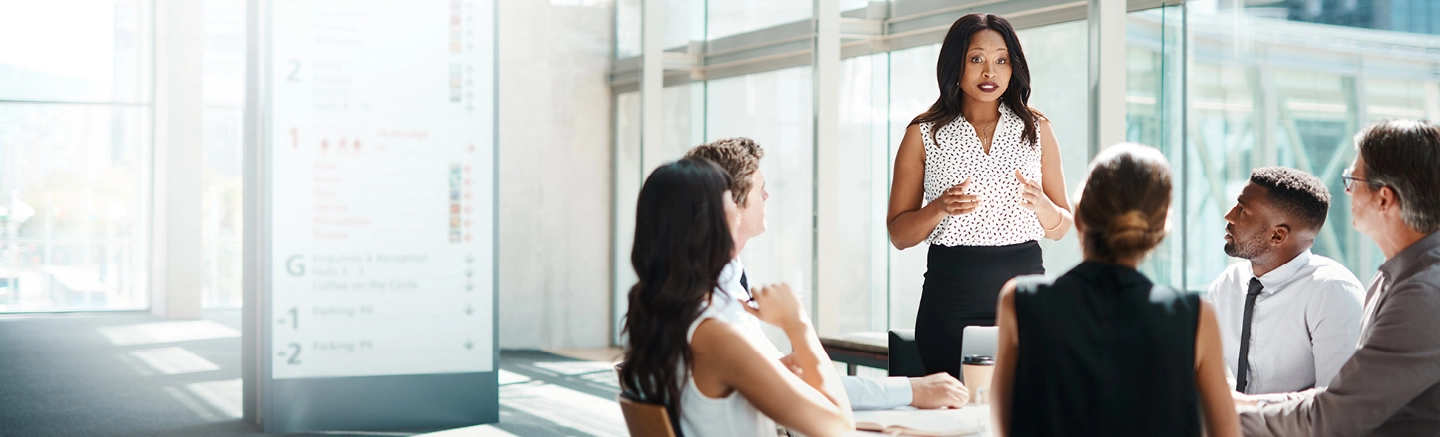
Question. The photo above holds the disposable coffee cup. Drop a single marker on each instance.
(977, 370)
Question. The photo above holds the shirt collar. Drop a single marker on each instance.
(1273, 280)
(1403, 262)
(729, 282)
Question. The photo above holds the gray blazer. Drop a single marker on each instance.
(1391, 385)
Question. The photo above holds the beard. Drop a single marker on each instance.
(1246, 248)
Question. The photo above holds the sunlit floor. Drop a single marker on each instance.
(131, 374)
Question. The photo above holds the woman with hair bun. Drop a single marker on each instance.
(1101, 350)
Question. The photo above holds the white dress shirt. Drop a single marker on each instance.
(864, 393)
(1305, 325)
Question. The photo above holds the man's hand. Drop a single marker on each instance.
(938, 391)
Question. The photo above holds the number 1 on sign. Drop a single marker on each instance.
(294, 317)
(294, 138)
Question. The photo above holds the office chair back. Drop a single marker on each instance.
(645, 419)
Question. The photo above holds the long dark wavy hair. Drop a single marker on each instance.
(682, 242)
(951, 66)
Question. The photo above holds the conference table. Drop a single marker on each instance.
(979, 414)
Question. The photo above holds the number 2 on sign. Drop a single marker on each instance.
(294, 354)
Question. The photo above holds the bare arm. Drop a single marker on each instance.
(723, 355)
(908, 222)
(1215, 398)
(1052, 177)
(1046, 197)
(1002, 384)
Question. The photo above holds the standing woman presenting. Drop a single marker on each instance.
(987, 168)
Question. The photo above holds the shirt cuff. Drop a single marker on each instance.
(898, 390)
(877, 393)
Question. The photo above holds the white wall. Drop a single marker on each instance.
(555, 173)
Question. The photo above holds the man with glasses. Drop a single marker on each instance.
(1391, 384)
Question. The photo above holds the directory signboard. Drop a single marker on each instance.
(378, 146)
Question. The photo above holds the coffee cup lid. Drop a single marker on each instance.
(983, 360)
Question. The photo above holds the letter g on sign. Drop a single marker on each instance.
(295, 265)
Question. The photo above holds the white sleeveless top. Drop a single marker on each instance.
(733, 415)
(955, 153)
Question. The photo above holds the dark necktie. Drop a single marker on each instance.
(1242, 370)
(744, 283)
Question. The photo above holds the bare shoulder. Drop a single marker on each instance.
(1007, 293)
(1040, 117)
(1207, 311)
(912, 129)
(722, 340)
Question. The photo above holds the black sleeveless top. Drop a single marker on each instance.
(1104, 352)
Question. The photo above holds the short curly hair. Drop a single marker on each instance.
(1300, 196)
(739, 156)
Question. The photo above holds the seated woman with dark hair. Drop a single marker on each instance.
(682, 349)
(1101, 350)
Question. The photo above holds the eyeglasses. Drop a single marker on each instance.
(1350, 180)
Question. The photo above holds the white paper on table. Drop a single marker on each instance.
(917, 422)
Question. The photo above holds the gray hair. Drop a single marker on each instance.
(1405, 156)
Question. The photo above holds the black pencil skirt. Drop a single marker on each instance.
(962, 286)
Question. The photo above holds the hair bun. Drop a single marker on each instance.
(1130, 232)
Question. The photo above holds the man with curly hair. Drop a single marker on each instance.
(1288, 318)
(741, 158)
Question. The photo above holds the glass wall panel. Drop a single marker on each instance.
(75, 138)
(224, 85)
(92, 51)
(627, 28)
(684, 22)
(730, 17)
(775, 109)
(1055, 53)
(862, 145)
(74, 181)
(846, 5)
(1154, 117)
(912, 90)
(1290, 85)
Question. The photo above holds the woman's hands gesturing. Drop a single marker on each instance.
(955, 200)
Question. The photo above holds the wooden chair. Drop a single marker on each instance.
(645, 419)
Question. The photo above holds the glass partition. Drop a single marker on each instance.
(75, 141)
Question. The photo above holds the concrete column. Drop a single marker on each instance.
(652, 84)
(831, 260)
(1107, 73)
(175, 260)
